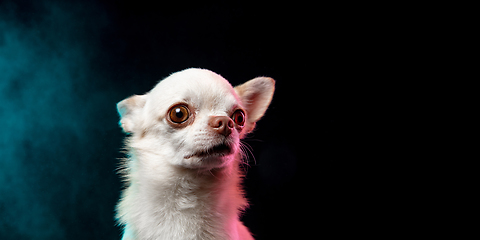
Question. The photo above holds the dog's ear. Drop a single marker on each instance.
(128, 109)
(256, 96)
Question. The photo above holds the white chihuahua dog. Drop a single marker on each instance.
(182, 171)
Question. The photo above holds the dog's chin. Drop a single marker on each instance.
(213, 157)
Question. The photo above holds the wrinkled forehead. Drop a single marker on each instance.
(202, 90)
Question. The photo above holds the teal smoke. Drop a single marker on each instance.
(57, 120)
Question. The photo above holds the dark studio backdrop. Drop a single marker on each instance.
(65, 64)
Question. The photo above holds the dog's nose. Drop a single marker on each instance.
(221, 124)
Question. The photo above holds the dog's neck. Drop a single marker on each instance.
(206, 202)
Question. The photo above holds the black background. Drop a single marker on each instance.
(307, 173)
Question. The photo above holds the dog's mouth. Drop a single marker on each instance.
(219, 150)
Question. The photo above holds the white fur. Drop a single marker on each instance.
(171, 194)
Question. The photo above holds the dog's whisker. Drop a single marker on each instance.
(247, 151)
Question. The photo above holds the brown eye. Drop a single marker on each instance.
(239, 117)
(179, 114)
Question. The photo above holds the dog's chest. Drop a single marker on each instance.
(183, 210)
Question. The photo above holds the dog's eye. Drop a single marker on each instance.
(179, 114)
(239, 117)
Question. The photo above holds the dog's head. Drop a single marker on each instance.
(194, 118)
